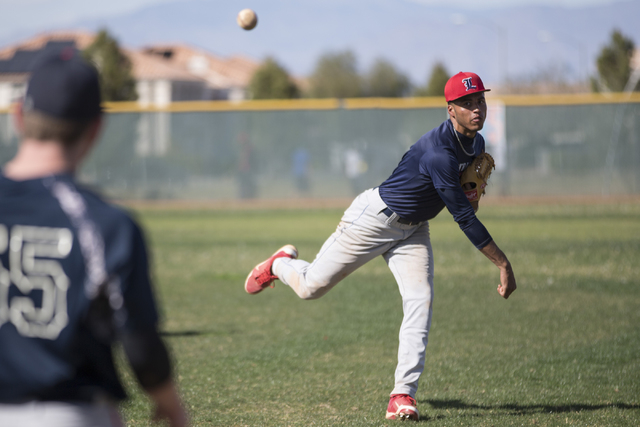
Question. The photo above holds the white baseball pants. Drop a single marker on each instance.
(60, 414)
(364, 233)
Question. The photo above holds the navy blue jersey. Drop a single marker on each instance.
(59, 246)
(428, 178)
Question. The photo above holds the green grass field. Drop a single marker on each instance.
(563, 350)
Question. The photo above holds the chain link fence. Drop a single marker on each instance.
(331, 149)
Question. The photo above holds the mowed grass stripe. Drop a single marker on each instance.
(563, 350)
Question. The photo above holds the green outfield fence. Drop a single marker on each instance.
(570, 145)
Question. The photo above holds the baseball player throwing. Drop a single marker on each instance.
(392, 220)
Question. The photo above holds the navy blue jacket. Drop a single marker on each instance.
(59, 246)
(428, 178)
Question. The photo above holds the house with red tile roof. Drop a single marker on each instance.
(163, 74)
(228, 78)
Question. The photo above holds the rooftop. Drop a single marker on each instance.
(172, 62)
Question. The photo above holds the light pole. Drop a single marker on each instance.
(547, 37)
(498, 141)
(459, 19)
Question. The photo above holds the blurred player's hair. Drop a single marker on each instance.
(43, 127)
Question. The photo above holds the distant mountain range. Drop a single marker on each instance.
(518, 41)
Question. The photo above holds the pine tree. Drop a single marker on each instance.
(336, 76)
(614, 62)
(436, 83)
(385, 81)
(271, 81)
(114, 67)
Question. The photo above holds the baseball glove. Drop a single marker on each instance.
(474, 178)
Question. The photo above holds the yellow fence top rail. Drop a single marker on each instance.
(364, 103)
(567, 99)
(254, 105)
(394, 103)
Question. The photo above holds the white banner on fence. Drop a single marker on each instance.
(495, 134)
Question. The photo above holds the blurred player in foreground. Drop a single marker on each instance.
(73, 271)
(392, 220)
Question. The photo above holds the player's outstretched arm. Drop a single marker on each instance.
(150, 362)
(507, 279)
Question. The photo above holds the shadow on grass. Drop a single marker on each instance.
(198, 333)
(184, 333)
(516, 409)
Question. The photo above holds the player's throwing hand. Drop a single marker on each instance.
(507, 282)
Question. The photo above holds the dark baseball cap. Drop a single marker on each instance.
(64, 86)
(463, 84)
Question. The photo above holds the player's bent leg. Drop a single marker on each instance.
(360, 236)
(261, 276)
(402, 407)
(331, 265)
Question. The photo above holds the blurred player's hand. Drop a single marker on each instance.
(168, 406)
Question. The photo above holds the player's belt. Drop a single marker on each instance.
(388, 212)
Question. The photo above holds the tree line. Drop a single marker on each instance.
(336, 75)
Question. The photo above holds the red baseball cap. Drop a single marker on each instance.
(463, 84)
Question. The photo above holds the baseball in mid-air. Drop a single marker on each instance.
(247, 19)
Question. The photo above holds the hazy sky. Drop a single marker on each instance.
(35, 15)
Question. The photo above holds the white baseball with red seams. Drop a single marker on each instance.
(247, 19)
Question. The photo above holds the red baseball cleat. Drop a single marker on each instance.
(402, 407)
(261, 275)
